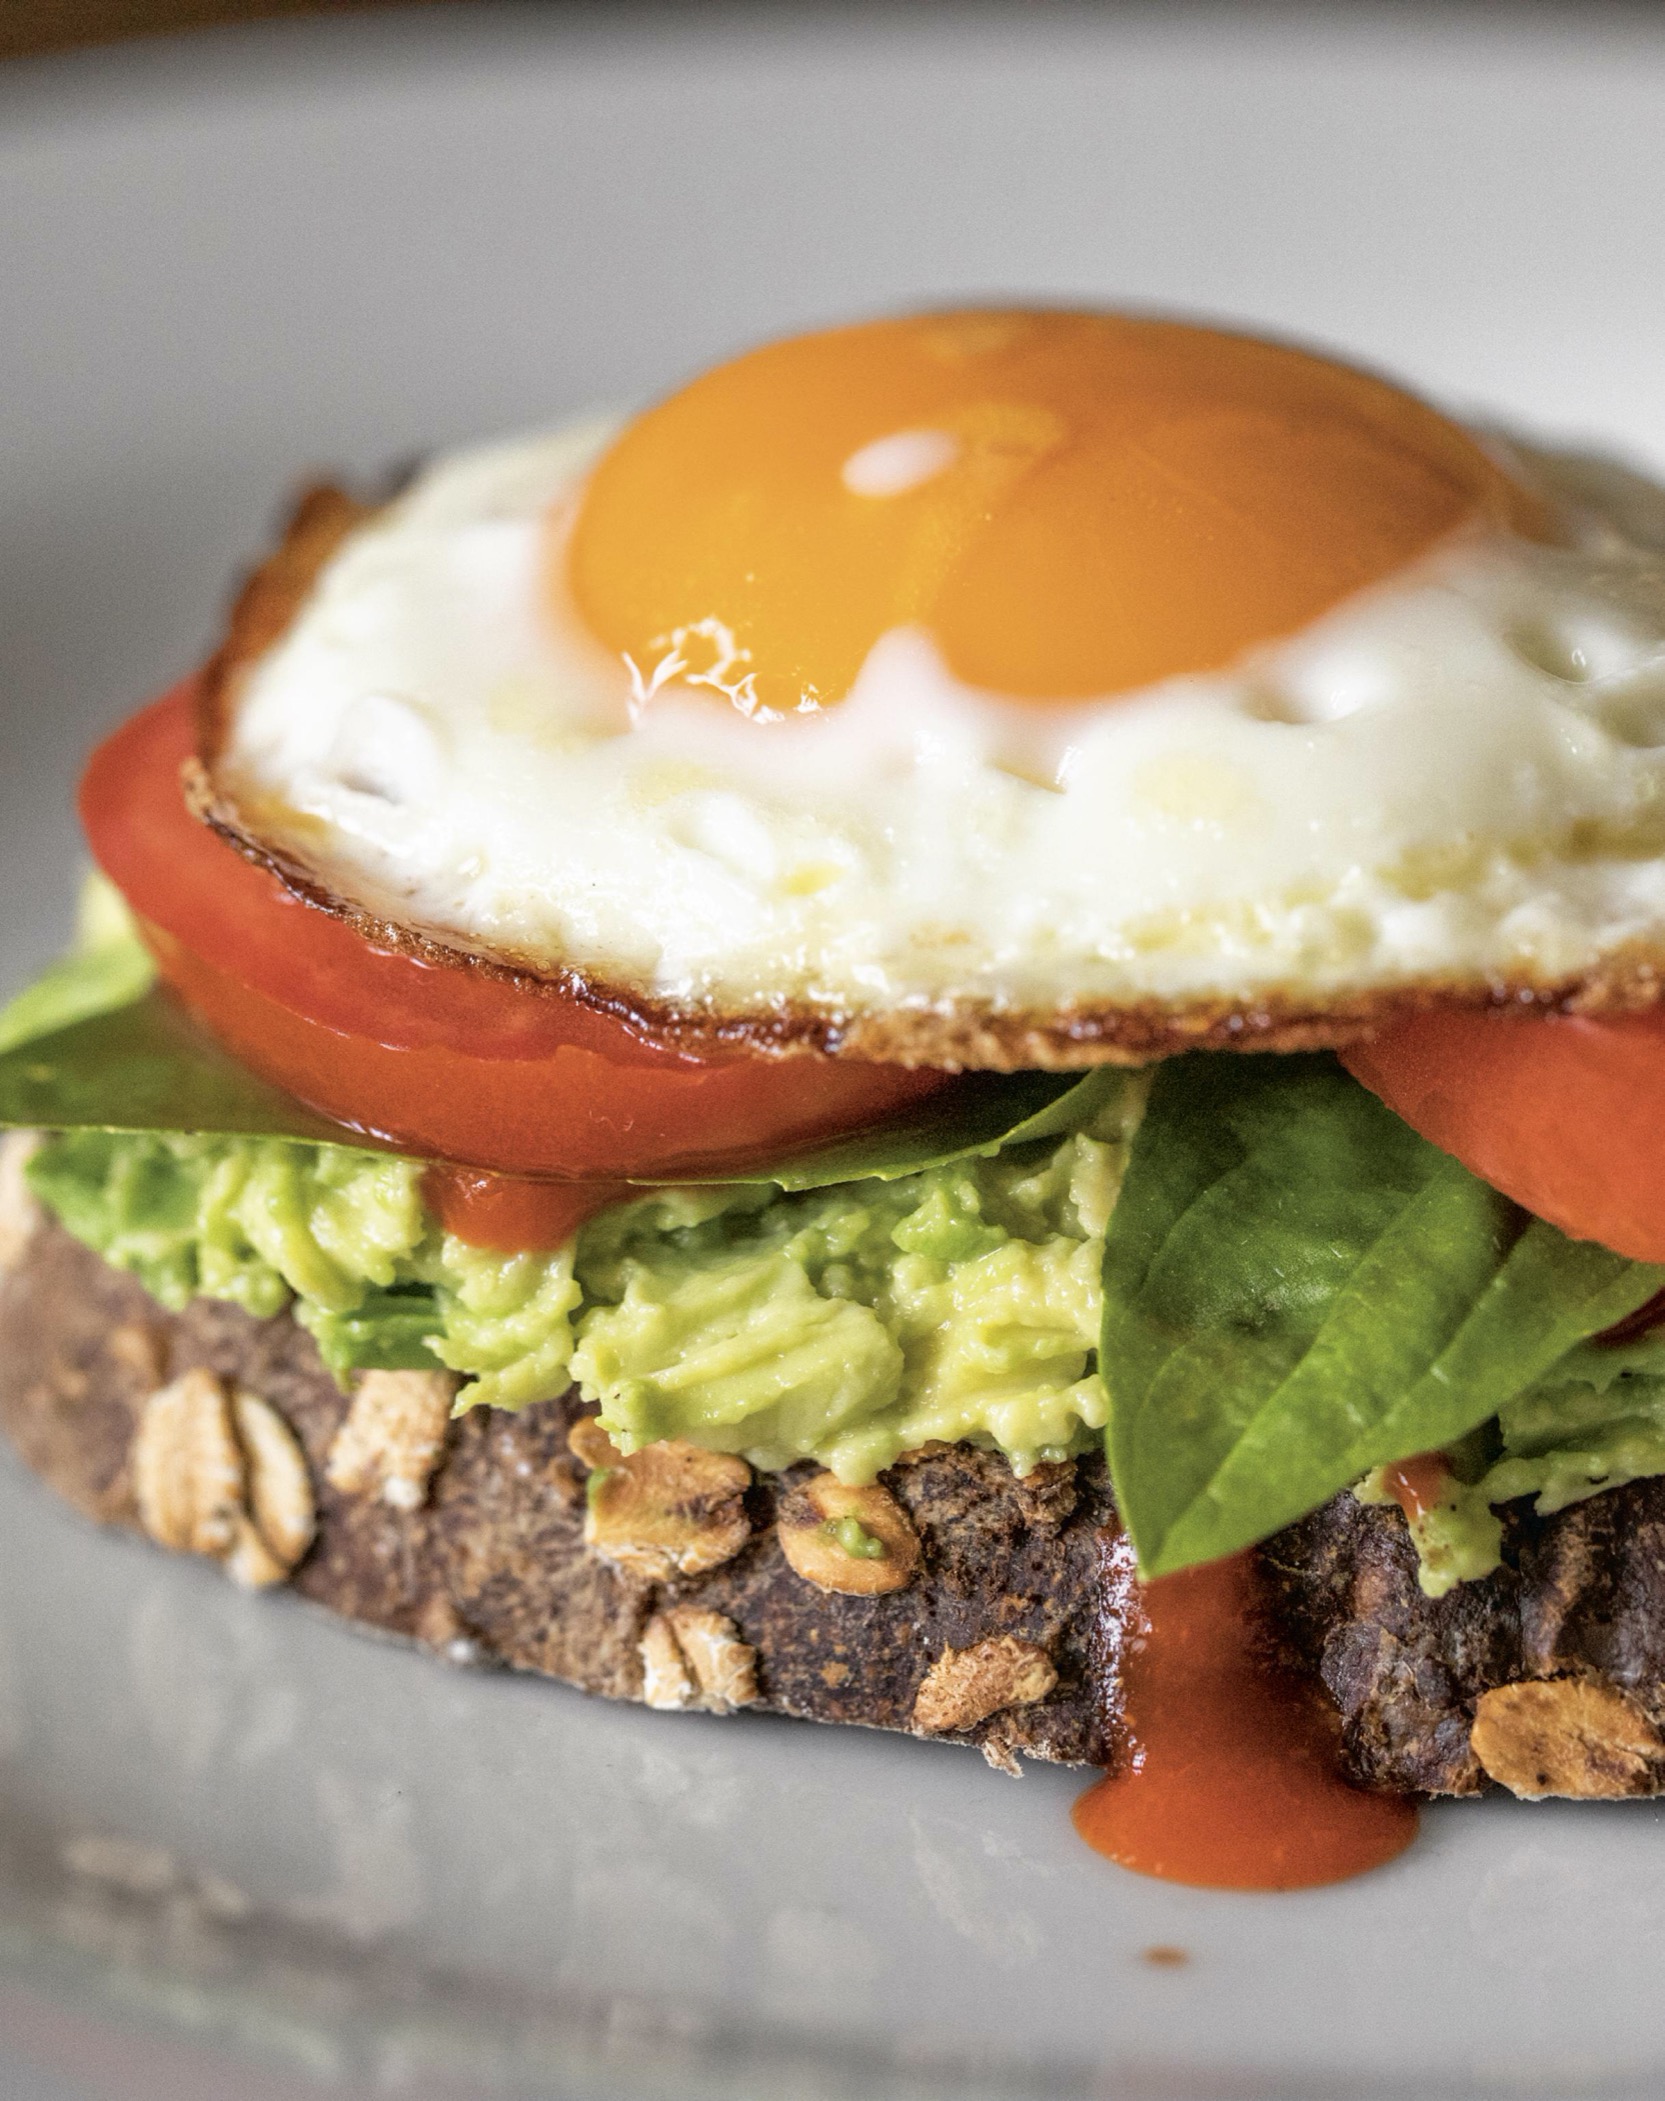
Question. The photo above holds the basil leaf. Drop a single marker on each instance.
(981, 1112)
(148, 1067)
(107, 967)
(1297, 1288)
(1599, 1364)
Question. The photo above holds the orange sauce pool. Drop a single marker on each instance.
(1230, 1779)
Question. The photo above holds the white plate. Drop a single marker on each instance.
(337, 1866)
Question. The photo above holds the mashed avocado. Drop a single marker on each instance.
(854, 1323)
(846, 1324)
(1560, 1443)
(261, 1222)
(1291, 1287)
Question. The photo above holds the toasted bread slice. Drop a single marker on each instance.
(529, 1544)
(967, 1604)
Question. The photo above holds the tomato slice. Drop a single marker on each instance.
(1563, 1112)
(445, 1061)
(514, 1213)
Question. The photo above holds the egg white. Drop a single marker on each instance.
(1456, 777)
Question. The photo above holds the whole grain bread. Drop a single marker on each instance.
(525, 1540)
(494, 1564)
(1430, 1691)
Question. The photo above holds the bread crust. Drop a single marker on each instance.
(952, 1034)
(494, 1567)
(1578, 1606)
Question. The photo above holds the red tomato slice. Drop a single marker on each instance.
(1563, 1112)
(512, 1213)
(442, 1060)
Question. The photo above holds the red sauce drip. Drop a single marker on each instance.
(1416, 1484)
(513, 1213)
(1231, 1780)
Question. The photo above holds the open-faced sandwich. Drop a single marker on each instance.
(959, 1033)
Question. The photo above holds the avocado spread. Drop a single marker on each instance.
(1244, 1275)
(847, 1324)
(1559, 1443)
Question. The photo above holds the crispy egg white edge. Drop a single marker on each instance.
(1458, 774)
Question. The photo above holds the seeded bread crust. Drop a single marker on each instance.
(1577, 1610)
(494, 1565)
(1548, 1677)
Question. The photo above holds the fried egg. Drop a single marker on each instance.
(991, 687)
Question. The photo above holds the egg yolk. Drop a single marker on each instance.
(1071, 504)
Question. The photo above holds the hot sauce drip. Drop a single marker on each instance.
(515, 1214)
(1231, 1781)
(1417, 1484)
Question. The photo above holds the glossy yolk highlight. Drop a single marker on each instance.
(1073, 504)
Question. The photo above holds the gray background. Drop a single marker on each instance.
(335, 244)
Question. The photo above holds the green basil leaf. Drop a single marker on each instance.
(1599, 1364)
(148, 1067)
(1298, 1288)
(982, 1112)
(145, 1066)
(107, 967)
